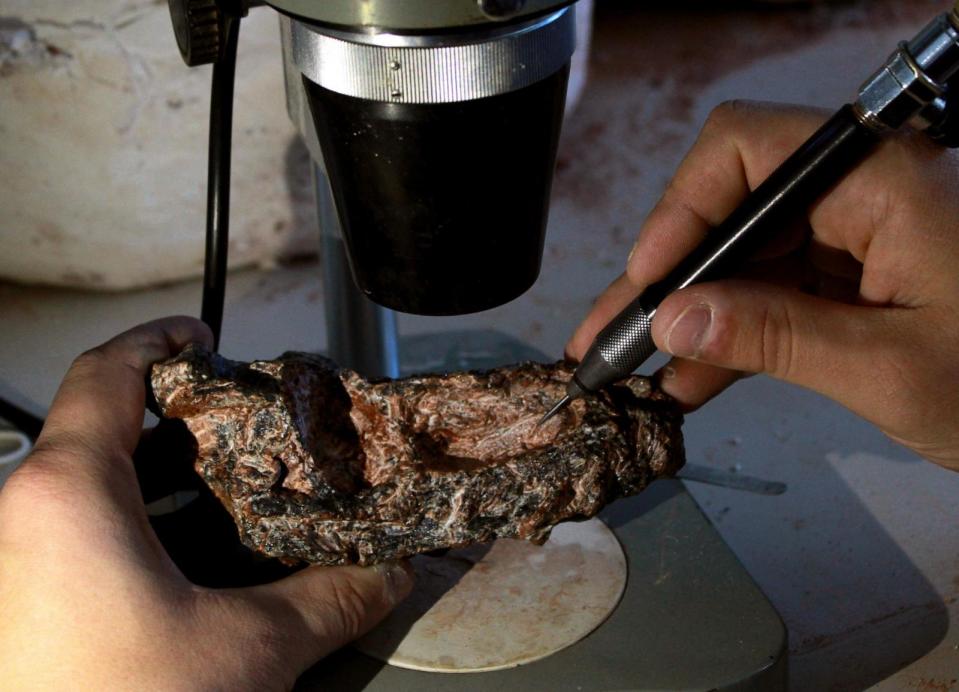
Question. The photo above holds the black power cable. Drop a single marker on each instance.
(218, 181)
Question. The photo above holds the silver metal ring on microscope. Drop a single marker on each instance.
(434, 68)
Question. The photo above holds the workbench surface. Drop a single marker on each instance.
(861, 554)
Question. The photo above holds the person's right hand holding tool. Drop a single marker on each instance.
(881, 251)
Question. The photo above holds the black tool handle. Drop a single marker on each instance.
(804, 177)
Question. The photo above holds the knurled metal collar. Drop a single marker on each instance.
(197, 26)
(628, 340)
(434, 68)
(913, 78)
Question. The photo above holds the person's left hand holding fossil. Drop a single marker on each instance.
(91, 600)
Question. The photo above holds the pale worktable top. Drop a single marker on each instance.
(861, 554)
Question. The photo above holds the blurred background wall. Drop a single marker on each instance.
(103, 147)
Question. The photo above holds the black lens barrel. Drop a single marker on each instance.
(443, 206)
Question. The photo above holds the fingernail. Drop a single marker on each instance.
(399, 579)
(632, 251)
(663, 377)
(688, 332)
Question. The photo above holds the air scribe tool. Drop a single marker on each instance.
(918, 86)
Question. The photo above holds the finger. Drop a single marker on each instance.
(97, 413)
(613, 299)
(738, 148)
(743, 143)
(836, 349)
(717, 173)
(692, 384)
(320, 609)
(783, 270)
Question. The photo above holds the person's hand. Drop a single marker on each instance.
(880, 253)
(90, 599)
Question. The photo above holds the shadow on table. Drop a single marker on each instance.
(868, 611)
(857, 608)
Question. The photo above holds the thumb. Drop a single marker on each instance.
(319, 609)
(836, 349)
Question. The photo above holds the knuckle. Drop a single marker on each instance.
(637, 273)
(906, 205)
(55, 448)
(673, 195)
(41, 481)
(102, 361)
(89, 360)
(884, 208)
(348, 605)
(778, 347)
(726, 115)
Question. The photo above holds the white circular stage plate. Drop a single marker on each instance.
(500, 605)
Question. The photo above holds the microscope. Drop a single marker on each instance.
(433, 128)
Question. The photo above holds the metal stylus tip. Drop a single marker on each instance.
(563, 403)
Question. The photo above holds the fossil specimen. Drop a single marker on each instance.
(319, 464)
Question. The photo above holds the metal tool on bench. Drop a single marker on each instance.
(918, 86)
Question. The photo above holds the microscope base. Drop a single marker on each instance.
(691, 617)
